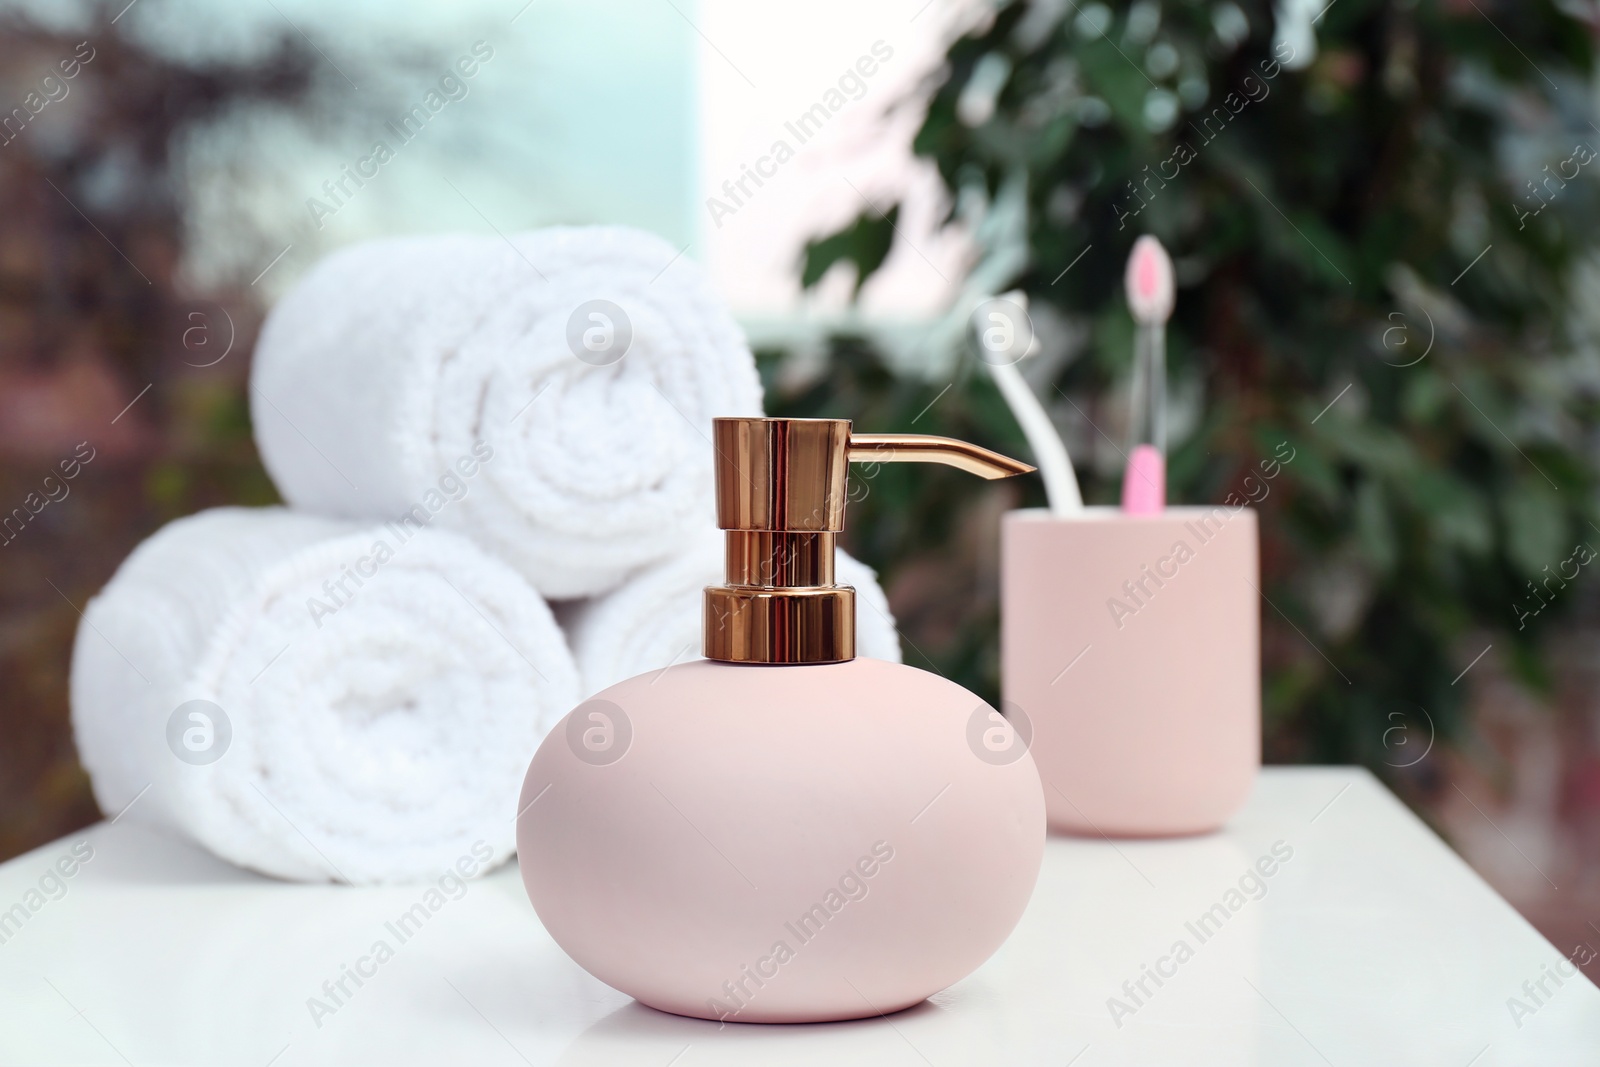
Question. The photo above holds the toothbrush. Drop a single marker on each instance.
(1049, 451)
(1150, 298)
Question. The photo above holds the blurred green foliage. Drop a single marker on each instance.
(1385, 248)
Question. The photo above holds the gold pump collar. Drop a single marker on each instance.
(781, 493)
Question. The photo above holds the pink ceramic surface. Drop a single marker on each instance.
(781, 844)
(1132, 645)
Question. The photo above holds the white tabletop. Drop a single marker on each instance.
(1372, 943)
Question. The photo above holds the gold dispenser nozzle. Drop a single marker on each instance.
(781, 486)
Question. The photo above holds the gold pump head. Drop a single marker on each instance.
(781, 486)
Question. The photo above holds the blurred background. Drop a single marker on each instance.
(1383, 216)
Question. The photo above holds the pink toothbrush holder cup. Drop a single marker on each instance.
(1131, 644)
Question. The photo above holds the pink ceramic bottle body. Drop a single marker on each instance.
(1132, 645)
(781, 843)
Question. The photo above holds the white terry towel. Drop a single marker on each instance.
(655, 619)
(382, 690)
(382, 368)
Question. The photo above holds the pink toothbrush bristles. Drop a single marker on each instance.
(1149, 282)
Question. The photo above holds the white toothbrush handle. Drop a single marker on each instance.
(1049, 453)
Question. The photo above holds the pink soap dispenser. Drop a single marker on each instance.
(783, 832)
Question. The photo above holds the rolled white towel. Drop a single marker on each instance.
(373, 694)
(655, 619)
(589, 361)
